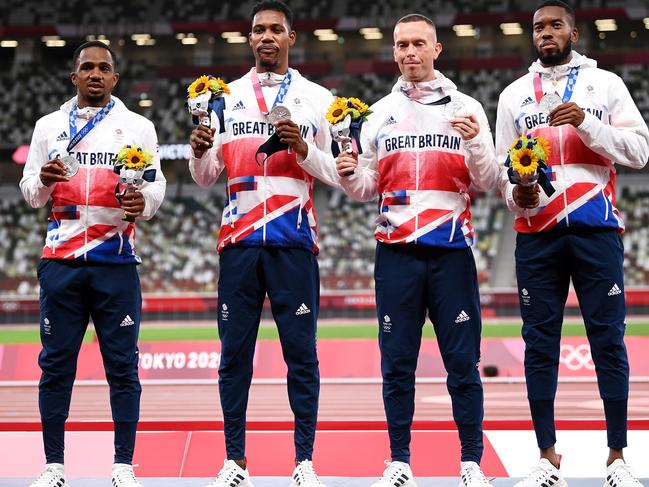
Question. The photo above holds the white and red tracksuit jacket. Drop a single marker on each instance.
(269, 203)
(86, 219)
(420, 167)
(581, 163)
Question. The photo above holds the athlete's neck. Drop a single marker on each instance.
(83, 102)
(279, 70)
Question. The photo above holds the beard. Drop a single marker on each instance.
(95, 96)
(554, 58)
(270, 62)
(95, 99)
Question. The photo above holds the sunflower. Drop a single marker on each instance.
(218, 86)
(337, 110)
(121, 155)
(524, 162)
(543, 145)
(199, 86)
(133, 157)
(357, 104)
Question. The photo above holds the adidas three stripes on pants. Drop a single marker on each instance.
(412, 282)
(72, 292)
(291, 279)
(545, 264)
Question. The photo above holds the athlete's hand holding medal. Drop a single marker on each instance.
(559, 109)
(465, 123)
(54, 171)
(71, 165)
(286, 134)
(566, 113)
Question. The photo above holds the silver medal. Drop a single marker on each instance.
(277, 113)
(454, 108)
(549, 102)
(71, 164)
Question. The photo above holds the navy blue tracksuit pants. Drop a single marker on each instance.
(545, 263)
(412, 281)
(291, 279)
(72, 292)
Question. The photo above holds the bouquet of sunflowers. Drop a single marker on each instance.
(527, 160)
(131, 165)
(346, 116)
(204, 95)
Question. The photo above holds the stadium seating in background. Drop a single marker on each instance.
(178, 245)
(53, 12)
(633, 203)
(30, 98)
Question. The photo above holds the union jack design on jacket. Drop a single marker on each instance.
(581, 164)
(86, 220)
(269, 203)
(420, 167)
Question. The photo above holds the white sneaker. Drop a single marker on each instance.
(232, 475)
(618, 474)
(543, 475)
(472, 476)
(51, 476)
(304, 475)
(123, 476)
(396, 474)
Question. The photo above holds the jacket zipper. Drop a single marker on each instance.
(565, 196)
(230, 206)
(415, 205)
(299, 212)
(265, 193)
(85, 254)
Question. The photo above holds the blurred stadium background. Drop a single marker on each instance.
(346, 46)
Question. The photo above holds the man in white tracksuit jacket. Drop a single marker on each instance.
(88, 267)
(423, 146)
(575, 232)
(268, 239)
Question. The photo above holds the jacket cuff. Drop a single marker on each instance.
(587, 123)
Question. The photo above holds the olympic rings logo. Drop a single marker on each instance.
(576, 358)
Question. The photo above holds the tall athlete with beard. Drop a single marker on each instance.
(574, 233)
(268, 240)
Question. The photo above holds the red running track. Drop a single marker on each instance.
(338, 402)
(180, 429)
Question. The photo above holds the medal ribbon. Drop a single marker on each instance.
(570, 86)
(75, 137)
(281, 94)
(538, 88)
(442, 101)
